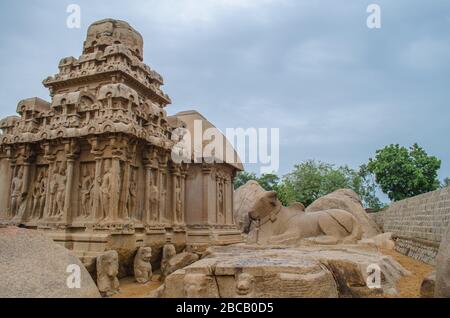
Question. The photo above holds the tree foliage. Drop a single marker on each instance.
(446, 183)
(403, 173)
(311, 180)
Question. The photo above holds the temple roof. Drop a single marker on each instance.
(109, 31)
(189, 117)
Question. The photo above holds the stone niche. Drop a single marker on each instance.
(92, 168)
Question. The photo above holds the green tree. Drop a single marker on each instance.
(268, 181)
(403, 173)
(368, 189)
(311, 180)
(243, 177)
(446, 183)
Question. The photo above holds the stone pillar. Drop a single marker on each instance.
(67, 214)
(183, 197)
(115, 195)
(124, 212)
(206, 171)
(147, 203)
(96, 212)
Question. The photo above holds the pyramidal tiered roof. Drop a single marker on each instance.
(107, 89)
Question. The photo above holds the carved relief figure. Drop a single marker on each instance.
(131, 202)
(220, 201)
(163, 197)
(107, 270)
(87, 186)
(53, 190)
(245, 285)
(142, 267)
(39, 195)
(154, 201)
(178, 201)
(17, 194)
(60, 188)
(106, 189)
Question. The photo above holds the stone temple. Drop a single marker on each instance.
(93, 169)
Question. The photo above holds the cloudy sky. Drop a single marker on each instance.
(336, 89)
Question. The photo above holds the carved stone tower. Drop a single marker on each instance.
(93, 168)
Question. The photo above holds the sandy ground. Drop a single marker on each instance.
(130, 289)
(408, 287)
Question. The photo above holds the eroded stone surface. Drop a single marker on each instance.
(347, 200)
(142, 266)
(107, 271)
(443, 267)
(310, 271)
(33, 266)
(276, 224)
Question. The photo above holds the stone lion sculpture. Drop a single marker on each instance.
(277, 224)
(142, 267)
(107, 270)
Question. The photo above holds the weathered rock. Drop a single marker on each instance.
(384, 240)
(179, 261)
(347, 200)
(443, 267)
(107, 271)
(244, 198)
(277, 224)
(253, 271)
(427, 289)
(168, 252)
(33, 266)
(142, 267)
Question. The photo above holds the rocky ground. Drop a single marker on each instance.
(406, 285)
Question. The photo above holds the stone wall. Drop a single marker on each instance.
(419, 223)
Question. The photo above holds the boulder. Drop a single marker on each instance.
(347, 200)
(179, 261)
(243, 200)
(242, 271)
(443, 267)
(427, 289)
(33, 266)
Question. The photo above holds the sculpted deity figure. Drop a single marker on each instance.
(53, 190)
(220, 198)
(39, 190)
(154, 202)
(87, 185)
(178, 201)
(106, 189)
(107, 270)
(61, 179)
(17, 192)
(43, 194)
(131, 202)
(142, 267)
